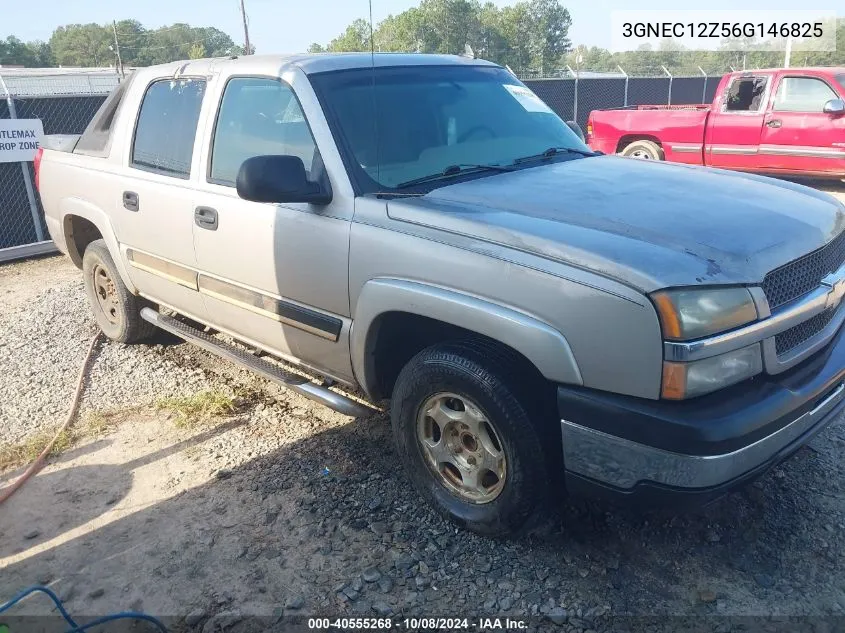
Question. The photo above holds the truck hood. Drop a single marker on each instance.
(648, 224)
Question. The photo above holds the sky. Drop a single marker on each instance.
(289, 26)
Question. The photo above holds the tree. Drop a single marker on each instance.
(132, 38)
(197, 51)
(593, 58)
(14, 52)
(490, 41)
(402, 33)
(42, 53)
(82, 45)
(448, 25)
(356, 37)
(92, 44)
(549, 25)
(516, 28)
(316, 48)
(531, 33)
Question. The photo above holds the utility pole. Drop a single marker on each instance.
(788, 53)
(117, 49)
(247, 50)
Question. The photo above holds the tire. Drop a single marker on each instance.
(116, 310)
(644, 150)
(458, 382)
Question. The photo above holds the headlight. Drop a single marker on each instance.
(691, 314)
(687, 380)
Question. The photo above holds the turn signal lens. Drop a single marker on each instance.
(687, 380)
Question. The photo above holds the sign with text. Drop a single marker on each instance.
(19, 139)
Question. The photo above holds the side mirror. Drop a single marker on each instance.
(834, 106)
(577, 129)
(278, 179)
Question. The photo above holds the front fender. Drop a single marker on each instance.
(97, 217)
(540, 343)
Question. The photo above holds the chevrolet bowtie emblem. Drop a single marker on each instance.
(836, 283)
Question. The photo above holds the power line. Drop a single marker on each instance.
(163, 29)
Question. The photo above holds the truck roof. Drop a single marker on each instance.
(308, 63)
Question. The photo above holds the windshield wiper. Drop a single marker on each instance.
(452, 170)
(551, 152)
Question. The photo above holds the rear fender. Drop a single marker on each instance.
(84, 209)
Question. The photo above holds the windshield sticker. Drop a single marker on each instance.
(527, 99)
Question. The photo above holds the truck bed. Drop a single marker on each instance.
(679, 128)
(60, 142)
(693, 106)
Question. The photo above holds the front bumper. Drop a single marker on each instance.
(632, 448)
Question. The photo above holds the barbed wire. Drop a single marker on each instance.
(163, 46)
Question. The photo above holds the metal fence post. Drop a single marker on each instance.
(669, 99)
(30, 191)
(703, 90)
(575, 97)
(626, 84)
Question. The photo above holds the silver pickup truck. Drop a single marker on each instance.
(424, 229)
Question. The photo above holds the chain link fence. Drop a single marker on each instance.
(574, 96)
(64, 103)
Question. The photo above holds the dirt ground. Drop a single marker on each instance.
(283, 508)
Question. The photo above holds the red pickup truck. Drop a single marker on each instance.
(781, 121)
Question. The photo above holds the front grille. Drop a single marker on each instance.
(797, 278)
(794, 336)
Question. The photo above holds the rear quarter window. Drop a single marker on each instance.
(167, 126)
(96, 139)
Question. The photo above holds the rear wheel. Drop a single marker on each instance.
(644, 150)
(116, 310)
(464, 432)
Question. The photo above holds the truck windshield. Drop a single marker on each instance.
(396, 125)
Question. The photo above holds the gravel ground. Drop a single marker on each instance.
(290, 505)
(43, 340)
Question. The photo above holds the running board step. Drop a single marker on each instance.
(294, 382)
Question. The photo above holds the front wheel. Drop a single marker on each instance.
(644, 150)
(470, 447)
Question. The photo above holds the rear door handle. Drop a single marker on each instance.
(130, 200)
(206, 218)
(774, 123)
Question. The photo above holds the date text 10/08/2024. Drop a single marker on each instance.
(418, 624)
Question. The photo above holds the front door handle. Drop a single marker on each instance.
(130, 200)
(774, 123)
(206, 218)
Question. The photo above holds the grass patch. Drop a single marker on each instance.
(92, 424)
(97, 423)
(25, 452)
(200, 407)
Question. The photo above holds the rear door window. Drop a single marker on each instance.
(167, 126)
(746, 94)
